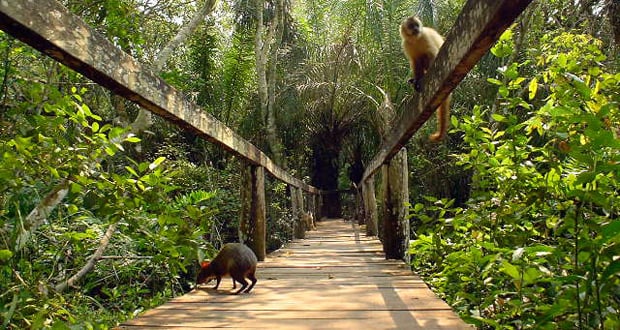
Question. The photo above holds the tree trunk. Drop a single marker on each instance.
(266, 47)
(613, 9)
(252, 223)
(144, 119)
(395, 215)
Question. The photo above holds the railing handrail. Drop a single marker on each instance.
(477, 28)
(50, 28)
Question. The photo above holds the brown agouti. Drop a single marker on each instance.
(235, 260)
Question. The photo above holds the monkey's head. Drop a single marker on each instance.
(411, 27)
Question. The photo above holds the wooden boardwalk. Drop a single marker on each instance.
(336, 278)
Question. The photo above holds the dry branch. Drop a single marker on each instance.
(103, 245)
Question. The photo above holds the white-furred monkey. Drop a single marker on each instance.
(421, 45)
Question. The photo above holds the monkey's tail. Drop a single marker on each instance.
(443, 121)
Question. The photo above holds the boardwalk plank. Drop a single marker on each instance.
(336, 278)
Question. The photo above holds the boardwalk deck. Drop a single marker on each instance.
(336, 278)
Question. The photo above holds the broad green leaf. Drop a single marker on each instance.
(510, 270)
(418, 207)
(499, 118)
(156, 162)
(531, 275)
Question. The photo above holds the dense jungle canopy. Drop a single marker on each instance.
(514, 216)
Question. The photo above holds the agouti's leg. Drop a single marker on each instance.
(244, 284)
(234, 283)
(218, 280)
(253, 279)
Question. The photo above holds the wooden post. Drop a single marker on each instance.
(359, 206)
(383, 174)
(396, 196)
(252, 224)
(318, 199)
(297, 200)
(370, 206)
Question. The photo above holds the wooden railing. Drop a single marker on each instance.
(476, 29)
(49, 27)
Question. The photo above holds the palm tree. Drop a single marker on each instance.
(334, 105)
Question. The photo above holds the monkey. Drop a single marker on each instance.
(421, 45)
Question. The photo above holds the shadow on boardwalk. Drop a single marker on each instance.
(336, 278)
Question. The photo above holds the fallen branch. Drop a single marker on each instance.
(103, 244)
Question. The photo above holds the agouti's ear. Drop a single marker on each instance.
(204, 264)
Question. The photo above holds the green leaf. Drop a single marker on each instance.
(612, 269)
(54, 172)
(156, 163)
(73, 209)
(132, 171)
(503, 91)
(5, 255)
(418, 207)
(531, 275)
(533, 87)
(610, 230)
(495, 81)
(499, 118)
(510, 270)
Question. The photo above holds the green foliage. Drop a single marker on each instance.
(537, 244)
(152, 253)
(280, 217)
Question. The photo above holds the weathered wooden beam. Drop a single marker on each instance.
(50, 28)
(477, 28)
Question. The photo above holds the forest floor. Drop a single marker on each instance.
(335, 278)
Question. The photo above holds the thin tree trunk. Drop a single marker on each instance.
(144, 119)
(40, 213)
(266, 46)
(90, 265)
(613, 12)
